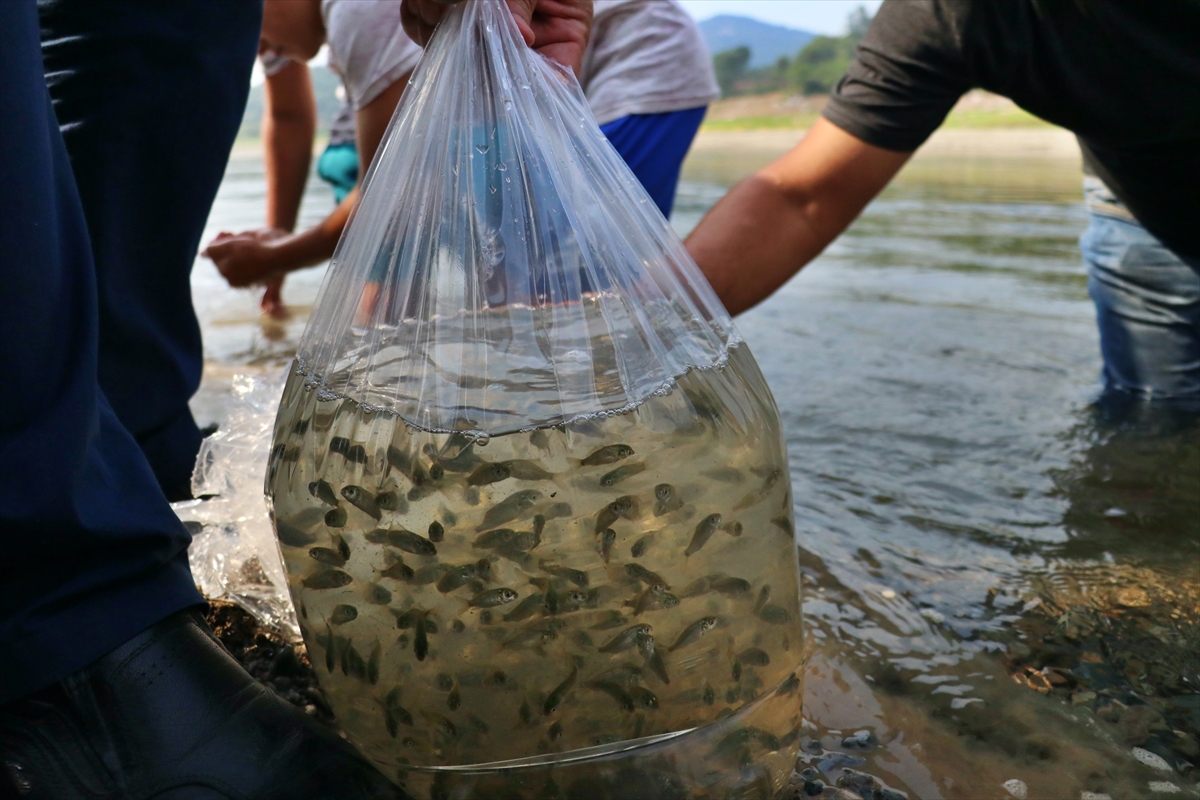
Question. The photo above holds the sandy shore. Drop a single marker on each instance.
(1001, 143)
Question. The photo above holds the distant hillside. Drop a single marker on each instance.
(325, 84)
(766, 42)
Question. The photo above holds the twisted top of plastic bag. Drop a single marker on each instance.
(504, 269)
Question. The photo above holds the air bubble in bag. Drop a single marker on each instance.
(528, 483)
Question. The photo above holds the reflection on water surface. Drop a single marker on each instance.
(1002, 580)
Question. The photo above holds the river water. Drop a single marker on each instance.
(1002, 578)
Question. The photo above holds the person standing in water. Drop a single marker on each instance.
(1124, 77)
(646, 73)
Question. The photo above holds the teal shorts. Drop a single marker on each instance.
(338, 166)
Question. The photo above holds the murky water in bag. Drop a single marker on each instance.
(618, 578)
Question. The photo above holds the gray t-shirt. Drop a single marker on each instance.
(1123, 75)
(645, 57)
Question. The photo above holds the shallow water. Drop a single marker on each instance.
(1002, 583)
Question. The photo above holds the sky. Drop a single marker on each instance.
(818, 16)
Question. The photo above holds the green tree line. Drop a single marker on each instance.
(813, 70)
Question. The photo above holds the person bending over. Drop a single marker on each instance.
(1124, 77)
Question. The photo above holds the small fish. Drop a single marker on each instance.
(436, 472)
(353, 665)
(641, 546)
(440, 723)
(625, 639)
(336, 517)
(460, 576)
(530, 637)
(342, 614)
(373, 663)
(493, 539)
(653, 598)
(342, 546)
(790, 685)
(610, 479)
(666, 499)
(408, 619)
(769, 482)
(776, 615)
(509, 508)
(527, 471)
(378, 595)
(643, 575)
(398, 571)
(702, 585)
(525, 541)
(607, 539)
(323, 492)
(409, 542)
(421, 638)
(612, 619)
(709, 697)
(624, 506)
(339, 445)
(357, 454)
(555, 698)
(539, 525)
(731, 586)
(614, 691)
(327, 579)
(555, 732)
(292, 536)
(575, 576)
(736, 672)
(526, 608)
(488, 473)
(361, 499)
(754, 657)
(390, 501)
(703, 533)
(693, 632)
(396, 713)
(458, 626)
(733, 528)
(430, 573)
(558, 511)
(493, 598)
(607, 455)
(643, 697)
(653, 658)
(725, 474)
(327, 556)
(525, 713)
(764, 594)
(478, 724)
(540, 440)
(454, 699)
(436, 532)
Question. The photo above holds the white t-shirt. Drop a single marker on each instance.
(368, 48)
(645, 57)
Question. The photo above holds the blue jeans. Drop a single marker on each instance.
(149, 96)
(1147, 306)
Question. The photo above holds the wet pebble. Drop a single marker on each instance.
(860, 740)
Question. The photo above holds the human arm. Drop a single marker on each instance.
(245, 261)
(772, 224)
(288, 127)
(558, 29)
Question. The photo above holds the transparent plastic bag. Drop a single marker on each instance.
(529, 485)
(234, 554)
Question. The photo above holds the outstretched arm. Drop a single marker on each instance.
(772, 224)
(244, 261)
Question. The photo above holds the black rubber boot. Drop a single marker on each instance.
(170, 715)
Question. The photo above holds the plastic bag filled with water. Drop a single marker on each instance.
(528, 484)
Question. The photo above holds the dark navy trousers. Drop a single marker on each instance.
(90, 552)
(149, 96)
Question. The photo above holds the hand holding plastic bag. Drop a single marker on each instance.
(557, 29)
